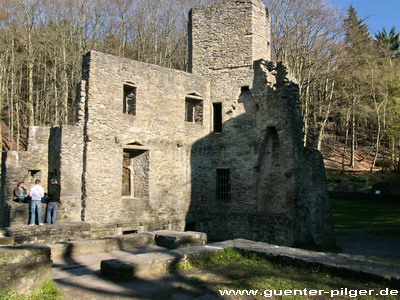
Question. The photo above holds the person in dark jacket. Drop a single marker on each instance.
(20, 192)
(53, 201)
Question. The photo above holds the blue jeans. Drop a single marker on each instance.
(35, 205)
(51, 213)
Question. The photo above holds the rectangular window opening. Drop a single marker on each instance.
(217, 110)
(135, 173)
(129, 106)
(223, 185)
(193, 110)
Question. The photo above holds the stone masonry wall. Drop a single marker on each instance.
(24, 166)
(274, 195)
(228, 34)
(292, 180)
(70, 173)
(159, 127)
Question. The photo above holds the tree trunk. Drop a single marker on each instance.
(66, 87)
(346, 139)
(353, 134)
(31, 113)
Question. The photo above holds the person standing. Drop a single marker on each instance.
(36, 193)
(20, 192)
(54, 200)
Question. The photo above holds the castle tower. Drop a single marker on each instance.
(225, 39)
(228, 35)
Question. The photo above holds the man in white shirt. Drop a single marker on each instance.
(36, 193)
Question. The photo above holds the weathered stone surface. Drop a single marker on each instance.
(139, 266)
(146, 264)
(50, 233)
(24, 269)
(24, 166)
(82, 247)
(173, 239)
(6, 241)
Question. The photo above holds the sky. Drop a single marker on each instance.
(377, 13)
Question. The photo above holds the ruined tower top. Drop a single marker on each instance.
(228, 34)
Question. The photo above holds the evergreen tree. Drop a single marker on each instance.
(355, 81)
(390, 40)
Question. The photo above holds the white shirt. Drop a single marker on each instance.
(36, 192)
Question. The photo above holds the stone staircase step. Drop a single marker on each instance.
(147, 264)
(83, 247)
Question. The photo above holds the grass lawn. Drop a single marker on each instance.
(365, 213)
(231, 270)
(48, 292)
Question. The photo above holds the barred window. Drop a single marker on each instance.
(223, 185)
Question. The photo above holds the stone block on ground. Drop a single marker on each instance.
(175, 239)
(134, 241)
(6, 241)
(24, 268)
(139, 266)
(146, 264)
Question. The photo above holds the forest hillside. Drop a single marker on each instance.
(349, 78)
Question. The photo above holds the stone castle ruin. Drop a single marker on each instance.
(218, 149)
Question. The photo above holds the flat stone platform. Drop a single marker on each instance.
(144, 265)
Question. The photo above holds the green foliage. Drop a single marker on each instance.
(356, 31)
(384, 163)
(390, 40)
(365, 214)
(223, 257)
(49, 291)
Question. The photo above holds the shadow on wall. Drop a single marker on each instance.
(255, 179)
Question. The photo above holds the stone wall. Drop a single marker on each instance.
(51, 153)
(70, 173)
(292, 180)
(274, 195)
(287, 201)
(226, 57)
(226, 37)
(228, 34)
(158, 128)
(24, 166)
